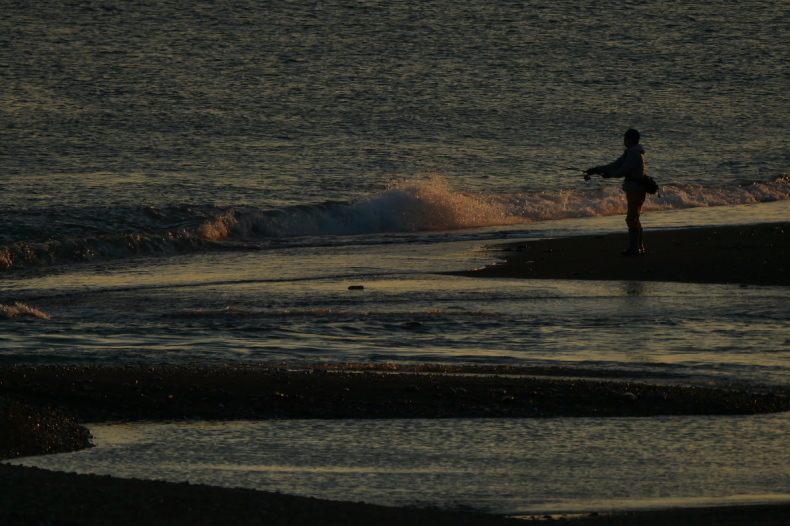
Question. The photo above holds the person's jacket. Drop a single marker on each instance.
(630, 165)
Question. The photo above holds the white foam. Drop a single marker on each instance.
(432, 204)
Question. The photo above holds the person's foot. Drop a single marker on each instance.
(633, 243)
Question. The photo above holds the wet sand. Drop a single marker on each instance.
(132, 393)
(747, 255)
(42, 407)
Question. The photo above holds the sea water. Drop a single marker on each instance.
(203, 182)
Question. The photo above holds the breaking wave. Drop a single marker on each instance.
(406, 206)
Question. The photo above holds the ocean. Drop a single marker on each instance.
(203, 182)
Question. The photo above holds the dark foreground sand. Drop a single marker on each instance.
(30, 496)
(41, 408)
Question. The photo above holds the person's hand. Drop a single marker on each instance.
(591, 171)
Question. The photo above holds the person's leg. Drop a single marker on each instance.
(635, 243)
(635, 201)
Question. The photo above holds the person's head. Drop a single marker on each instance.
(630, 138)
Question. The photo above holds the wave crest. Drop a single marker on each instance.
(429, 204)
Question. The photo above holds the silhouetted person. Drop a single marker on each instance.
(630, 165)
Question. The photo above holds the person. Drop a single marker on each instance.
(631, 166)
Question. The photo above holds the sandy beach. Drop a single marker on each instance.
(42, 408)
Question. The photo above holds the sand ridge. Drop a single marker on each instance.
(747, 255)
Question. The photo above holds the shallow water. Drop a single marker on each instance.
(502, 466)
(294, 305)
